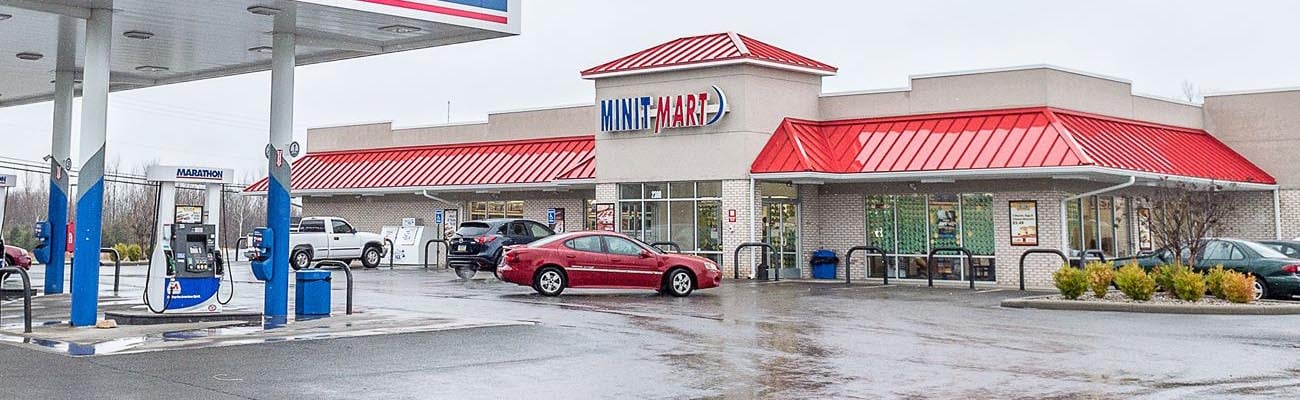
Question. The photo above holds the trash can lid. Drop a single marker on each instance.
(827, 253)
(312, 275)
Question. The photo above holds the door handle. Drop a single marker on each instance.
(570, 256)
(336, 238)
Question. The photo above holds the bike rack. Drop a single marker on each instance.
(676, 248)
(117, 265)
(766, 248)
(929, 263)
(392, 249)
(848, 262)
(239, 245)
(27, 294)
(1083, 257)
(1058, 253)
(346, 270)
(445, 250)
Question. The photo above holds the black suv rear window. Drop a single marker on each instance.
(473, 229)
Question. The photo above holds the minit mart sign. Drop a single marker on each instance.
(663, 112)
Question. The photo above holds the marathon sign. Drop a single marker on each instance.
(656, 113)
(161, 173)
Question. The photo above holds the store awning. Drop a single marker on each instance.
(484, 166)
(1009, 143)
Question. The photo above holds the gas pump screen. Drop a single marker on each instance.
(195, 249)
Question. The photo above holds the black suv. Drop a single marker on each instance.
(478, 245)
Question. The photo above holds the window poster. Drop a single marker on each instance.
(450, 220)
(1144, 229)
(1024, 222)
(605, 217)
(186, 214)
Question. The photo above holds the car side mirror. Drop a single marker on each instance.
(645, 254)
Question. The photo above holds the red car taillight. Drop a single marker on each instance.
(1291, 269)
(485, 239)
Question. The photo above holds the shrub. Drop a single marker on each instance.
(1189, 285)
(121, 251)
(134, 253)
(1238, 287)
(1164, 275)
(1071, 281)
(1135, 283)
(1100, 275)
(1214, 280)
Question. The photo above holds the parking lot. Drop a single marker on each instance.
(744, 340)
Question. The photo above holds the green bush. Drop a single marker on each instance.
(1214, 281)
(1189, 285)
(121, 252)
(1164, 275)
(1100, 275)
(1238, 287)
(1072, 282)
(1135, 283)
(134, 253)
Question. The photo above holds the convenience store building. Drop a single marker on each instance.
(715, 140)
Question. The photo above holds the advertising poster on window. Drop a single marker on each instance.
(605, 217)
(450, 219)
(1024, 222)
(189, 214)
(1144, 229)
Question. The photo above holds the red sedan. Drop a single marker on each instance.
(18, 257)
(599, 259)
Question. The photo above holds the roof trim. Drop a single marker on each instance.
(1002, 173)
(1019, 68)
(710, 64)
(416, 190)
(451, 145)
(1253, 91)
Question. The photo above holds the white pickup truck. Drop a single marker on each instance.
(329, 238)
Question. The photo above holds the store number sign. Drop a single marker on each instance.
(1024, 222)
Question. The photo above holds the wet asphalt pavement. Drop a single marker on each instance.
(744, 340)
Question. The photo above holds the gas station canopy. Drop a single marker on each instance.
(158, 42)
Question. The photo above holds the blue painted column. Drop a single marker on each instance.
(65, 76)
(90, 179)
(283, 59)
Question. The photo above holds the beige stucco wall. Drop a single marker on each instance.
(1029, 87)
(1263, 127)
(759, 98)
(508, 125)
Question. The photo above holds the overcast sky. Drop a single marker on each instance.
(1217, 45)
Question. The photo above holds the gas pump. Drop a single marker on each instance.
(186, 269)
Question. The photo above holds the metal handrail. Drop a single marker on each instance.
(27, 294)
(848, 262)
(117, 265)
(347, 270)
(929, 263)
(445, 250)
(239, 245)
(1059, 253)
(676, 248)
(392, 249)
(736, 257)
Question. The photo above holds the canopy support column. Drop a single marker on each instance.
(65, 76)
(283, 59)
(90, 179)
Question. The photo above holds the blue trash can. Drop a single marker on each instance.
(312, 293)
(824, 263)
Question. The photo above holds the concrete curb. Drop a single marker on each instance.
(1043, 303)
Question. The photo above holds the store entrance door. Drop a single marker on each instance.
(781, 230)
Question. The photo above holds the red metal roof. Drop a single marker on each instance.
(718, 47)
(1013, 138)
(467, 164)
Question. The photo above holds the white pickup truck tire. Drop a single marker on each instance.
(371, 256)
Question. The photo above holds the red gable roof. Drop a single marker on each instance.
(699, 51)
(1014, 138)
(469, 164)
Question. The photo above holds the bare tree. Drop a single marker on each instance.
(1183, 215)
(1192, 93)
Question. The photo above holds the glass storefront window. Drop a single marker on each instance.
(1123, 229)
(1106, 225)
(880, 222)
(1090, 223)
(708, 225)
(692, 218)
(911, 226)
(977, 223)
(1072, 225)
(589, 222)
(496, 209)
